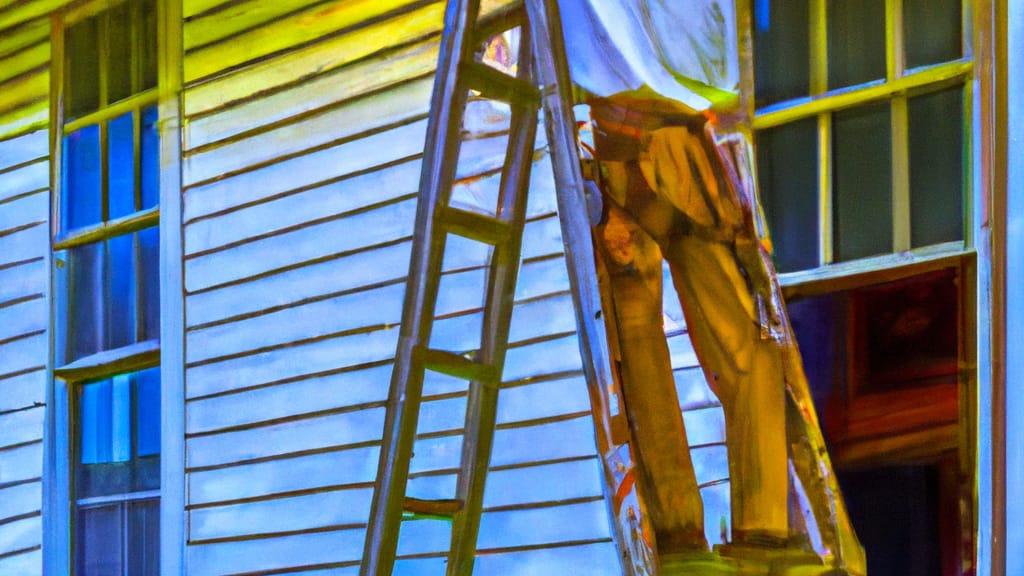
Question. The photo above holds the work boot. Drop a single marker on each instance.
(763, 554)
(696, 563)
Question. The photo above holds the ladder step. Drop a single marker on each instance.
(494, 84)
(475, 226)
(456, 365)
(431, 508)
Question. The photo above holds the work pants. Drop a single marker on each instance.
(666, 196)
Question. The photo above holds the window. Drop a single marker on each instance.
(106, 256)
(862, 117)
(859, 117)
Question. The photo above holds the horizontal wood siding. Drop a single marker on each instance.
(304, 128)
(24, 319)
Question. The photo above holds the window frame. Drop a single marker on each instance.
(981, 405)
(898, 85)
(60, 443)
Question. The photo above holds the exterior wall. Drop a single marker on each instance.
(299, 210)
(303, 126)
(24, 307)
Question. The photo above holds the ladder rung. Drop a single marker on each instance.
(475, 226)
(494, 84)
(453, 364)
(431, 508)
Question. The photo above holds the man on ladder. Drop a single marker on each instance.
(674, 182)
(661, 78)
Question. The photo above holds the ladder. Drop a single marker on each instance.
(541, 82)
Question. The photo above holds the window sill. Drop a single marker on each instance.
(125, 359)
(130, 223)
(874, 270)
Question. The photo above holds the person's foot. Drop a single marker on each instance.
(695, 562)
(756, 552)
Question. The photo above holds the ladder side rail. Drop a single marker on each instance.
(406, 387)
(481, 406)
(560, 123)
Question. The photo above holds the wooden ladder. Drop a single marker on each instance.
(541, 82)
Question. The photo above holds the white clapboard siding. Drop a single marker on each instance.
(24, 309)
(315, 167)
(21, 464)
(304, 131)
(21, 391)
(312, 549)
(374, 112)
(283, 476)
(362, 78)
(307, 204)
(27, 178)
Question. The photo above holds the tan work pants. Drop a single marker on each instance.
(668, 198)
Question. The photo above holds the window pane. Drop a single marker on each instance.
(98, 547)
(150, 159)
(104, 421)
(148, 50)
(121, 326)
(144, 538)
(85, 300)
(82, 47)
(147, 412)
(856, 42)
(118, 435)
(94, 422)
(121, 166)
(149, 282)
(781, 50)
(936, 167)
(787, 167)
(82, 178)
(119, 52)
(862, 182)
(932, 31)
(121, 418)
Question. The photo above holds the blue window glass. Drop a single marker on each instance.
(856, 42)
(83, 56)
(113, 293)
(144, 538)
(148, 50)
(788, 170)
(105, 421)
(82, 178)
(936, 167)
(118, 434)
(118, 54)
(94, 422)
(147, 412)
(120, 298)
(150, 159)
(99, 541)
(932, 31)
(121, 166)
(781, 50)
(862, 182)
(149, 283)
(85, 300)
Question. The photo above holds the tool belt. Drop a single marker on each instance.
(720, 215)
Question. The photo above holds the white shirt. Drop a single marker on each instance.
(682, 50)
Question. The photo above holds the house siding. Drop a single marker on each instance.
(24, 318)
(302, 129)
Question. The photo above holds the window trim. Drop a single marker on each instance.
(169, 352)
(898, 84)
(983, 404)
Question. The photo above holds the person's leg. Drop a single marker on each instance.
(679, 174)
(665, 477)
(747, 374)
